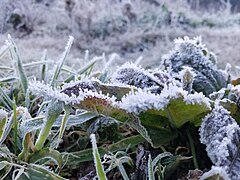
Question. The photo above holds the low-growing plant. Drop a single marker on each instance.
(146, 122)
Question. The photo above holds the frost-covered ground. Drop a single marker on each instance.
(130, 28)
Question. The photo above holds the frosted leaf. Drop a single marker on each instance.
(216, 171)
(47, 91)
(221, 134)
(3, 114)
(132, 75)
(140, 101)
(192, 53)
(231, 92)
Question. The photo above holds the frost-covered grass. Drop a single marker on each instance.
(108, 27)
(175, 121)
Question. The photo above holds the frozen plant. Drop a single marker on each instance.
(187, 75)
(131, 74)
(221, 134)
(194, 54)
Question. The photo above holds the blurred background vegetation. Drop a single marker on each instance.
(130, 28)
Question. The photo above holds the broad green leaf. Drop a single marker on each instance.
(75, 158)
(177, 112)
(103, 106)
(46, 153)
(34, 171)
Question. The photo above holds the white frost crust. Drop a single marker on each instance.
(47, 91)
(3, 114)
(142, 100)
(136, 69)
(215, 170)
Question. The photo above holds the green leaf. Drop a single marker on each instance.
(150, 168)
(34, 171)
(97, 161)
(8, 79)
(96, 86)
(53, 112)
(83, 69)
(73, 159)
(19, 65)
(7, 129)
(3, 121)
(62, 60)
(178, 112)
(5, 161)
(46, 153)
(232, 107)
(6, 98)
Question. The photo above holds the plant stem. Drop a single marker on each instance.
(193, 151)
(53, 111)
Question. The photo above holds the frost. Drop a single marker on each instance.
(67, 96)
(141, 100)
(3, 114)
(221, 134)
(187, 75)
(192, 53)
(133, 75)
(215, 171)
(231, 92)
(188, 51)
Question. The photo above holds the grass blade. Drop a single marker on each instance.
(150, 168)
(62, 60)
(4, 49)
(83, 69)
(6, 98)
(8, 79)
(19, 65)
(97, 161)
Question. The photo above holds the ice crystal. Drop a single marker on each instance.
(192, 53)
(221, 134)
(3, 114)
(132, 75)
(231, 92)
(187, 75)
(141, 100)
(216, 171)
(67, 96)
